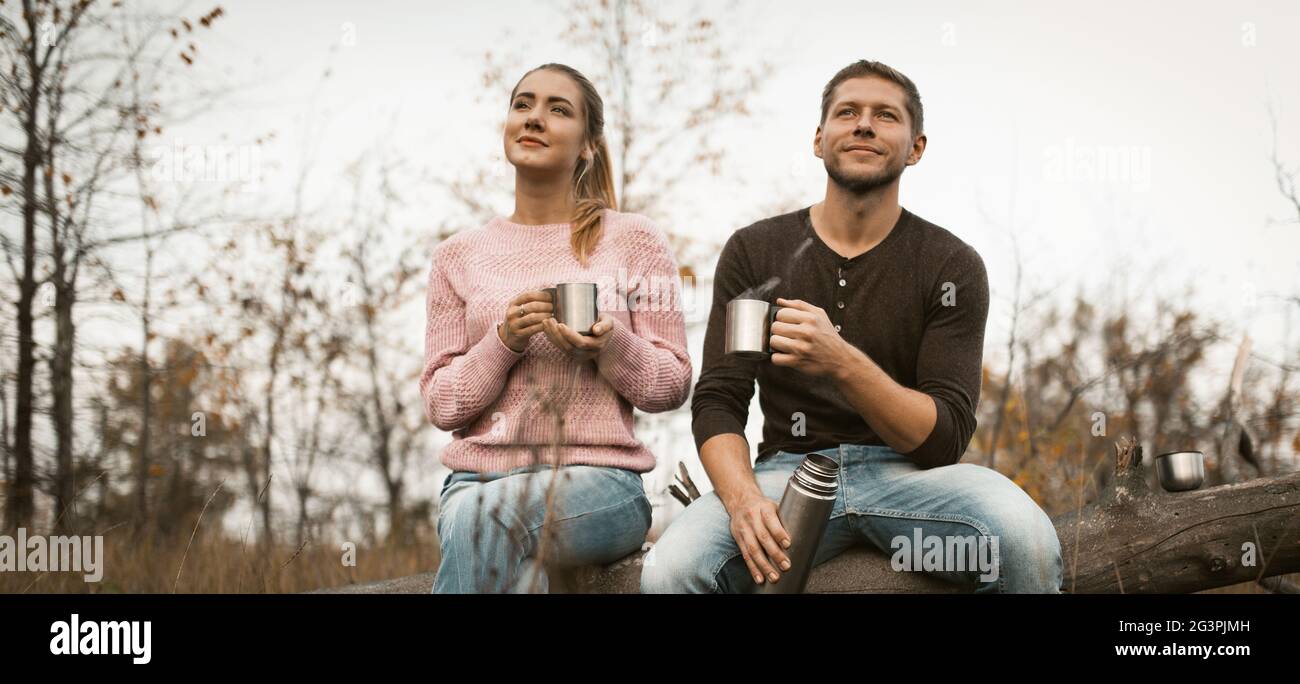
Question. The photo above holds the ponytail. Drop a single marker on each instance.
(594, 190)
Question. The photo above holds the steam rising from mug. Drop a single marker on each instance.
(764, 290)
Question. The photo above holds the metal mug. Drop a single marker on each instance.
(574, 305)
(1181, 470)
(749, 328)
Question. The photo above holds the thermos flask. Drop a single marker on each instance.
(805, 510)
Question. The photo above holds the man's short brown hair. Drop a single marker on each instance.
(864, 67)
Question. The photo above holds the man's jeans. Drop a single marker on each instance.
(491, 525)
(882, 495)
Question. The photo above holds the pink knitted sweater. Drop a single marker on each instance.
(508, 409)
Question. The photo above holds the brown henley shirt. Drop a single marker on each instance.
(916, 304)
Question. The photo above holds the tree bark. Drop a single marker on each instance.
(20, 502)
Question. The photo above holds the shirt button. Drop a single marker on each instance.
(837, 328)
(839, 305)
(843, 282)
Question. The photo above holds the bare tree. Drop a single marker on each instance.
(1284, 176)
(383, 265)
(271, 292)
(69, 87)
(313, 436)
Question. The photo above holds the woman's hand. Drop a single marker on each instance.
(577, 346)
(524, 318)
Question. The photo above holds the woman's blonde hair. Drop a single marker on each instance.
(593, 182)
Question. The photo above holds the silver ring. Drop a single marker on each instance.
(521, 312)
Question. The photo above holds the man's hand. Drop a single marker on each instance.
(578, 346)
(760, 536)
(804, 339)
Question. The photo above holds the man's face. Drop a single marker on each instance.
(866, 139)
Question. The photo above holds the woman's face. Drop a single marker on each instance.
(545, 128)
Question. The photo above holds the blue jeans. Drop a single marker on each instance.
(491, 525)
(882, 496)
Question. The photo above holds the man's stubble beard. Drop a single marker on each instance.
(861, 185)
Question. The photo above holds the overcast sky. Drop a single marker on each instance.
(1019, 97)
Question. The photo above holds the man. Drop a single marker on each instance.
(876, 363)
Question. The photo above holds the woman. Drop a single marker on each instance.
(542, 414)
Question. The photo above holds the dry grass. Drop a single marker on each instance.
(214, 564)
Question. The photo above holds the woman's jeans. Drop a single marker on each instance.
(883, 499)
(499, 532)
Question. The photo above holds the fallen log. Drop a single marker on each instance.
(1133, 539)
